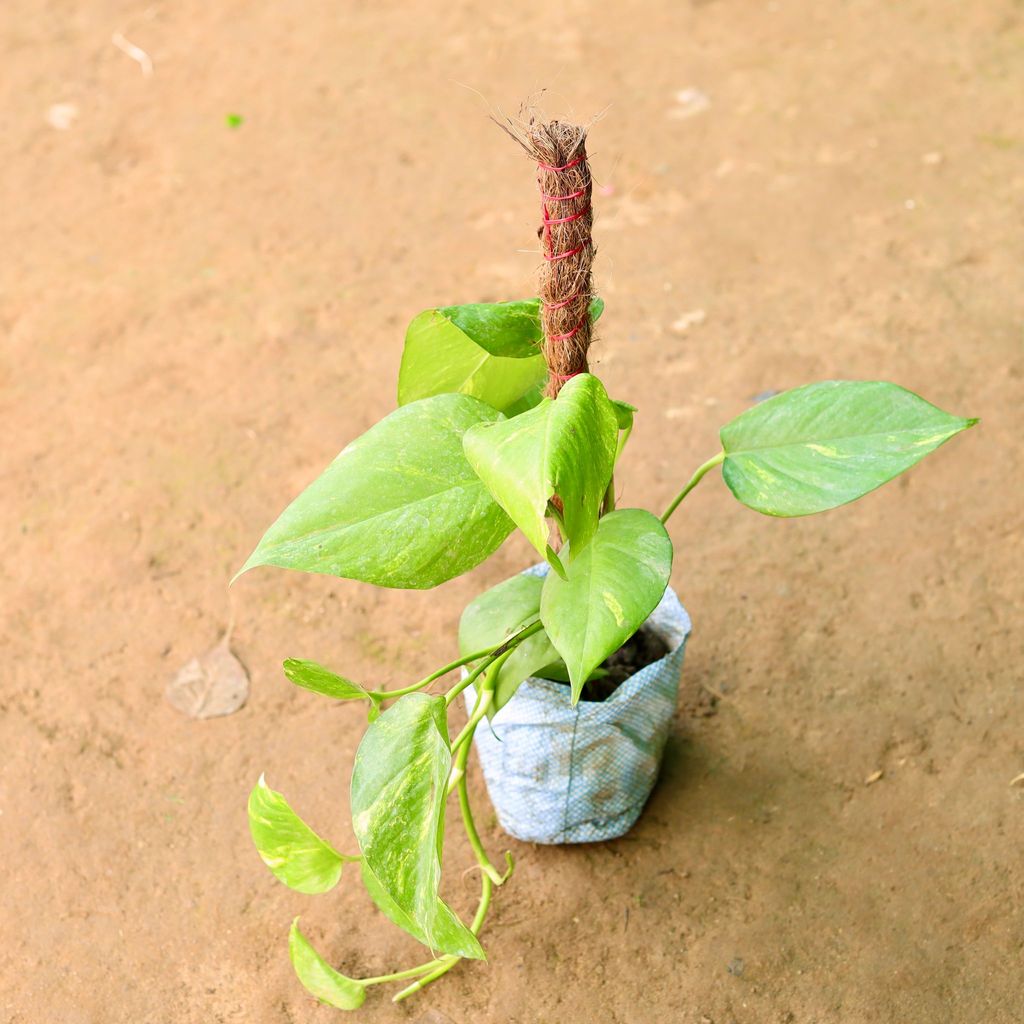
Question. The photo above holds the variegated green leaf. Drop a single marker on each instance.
(488, 350)
(399, 507)
(563, 447)
(319, 978)
(288, 846)
(614, 584)
(826, 444)
(398, 797)
(312, 676)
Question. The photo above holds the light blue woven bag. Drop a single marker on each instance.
(559, 774)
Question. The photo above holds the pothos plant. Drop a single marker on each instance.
(501, 426)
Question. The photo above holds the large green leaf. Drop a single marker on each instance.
(399, 507)
(822, 445)
(288, 846)
(564, 447)
(493, 617)
(398, 797)
(319, 978)
(612, 586)
(488, 350)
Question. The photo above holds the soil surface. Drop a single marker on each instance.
(197, 314)
(643, 648)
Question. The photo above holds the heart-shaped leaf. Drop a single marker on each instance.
(612, 586)
(488, 350)
(496, 615)
(398, 797)
(319, 978)
(564, 447)
(399, 507)
(288, 846)
(826, 444)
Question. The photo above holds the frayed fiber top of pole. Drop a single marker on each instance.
(563, 175)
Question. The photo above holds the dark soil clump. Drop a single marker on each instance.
(640, 650)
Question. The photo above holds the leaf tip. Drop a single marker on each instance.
(555, 562)
(250, 563)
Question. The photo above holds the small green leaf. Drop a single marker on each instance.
(496, 615)
(311, 676)
(488, 350)
(398, 798)
(826, 444)
(399, 507)
(564, 447)
(319, 978)
(288, 846)
(612, 586)
(624, 414)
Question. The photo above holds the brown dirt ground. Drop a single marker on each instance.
(195, 319)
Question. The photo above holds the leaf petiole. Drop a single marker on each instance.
(694, 480)
(506, 646)
(434, 676)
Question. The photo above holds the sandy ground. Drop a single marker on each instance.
(196, 318)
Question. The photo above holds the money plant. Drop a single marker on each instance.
(500, 426)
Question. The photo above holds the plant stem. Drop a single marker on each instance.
(482, 704)
(608, 505)
(411, 972)
(621, 444)
(461, 761)
(506, 646)
(450, 667)
(694, 480)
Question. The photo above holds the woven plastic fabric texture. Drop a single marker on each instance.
(559, 774)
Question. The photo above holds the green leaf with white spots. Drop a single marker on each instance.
(399, 507)
(319, 978)
(488, 350)
(398, 796)
(613, 585)
(288, 846)
(826, 444)
(563, 447)
(496, 615)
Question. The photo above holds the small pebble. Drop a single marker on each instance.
(873, 777)
(735, 967)
(688, 320)
(61, 116)
(1018, 781)
(689, 101)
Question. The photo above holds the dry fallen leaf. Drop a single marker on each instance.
(216, 683)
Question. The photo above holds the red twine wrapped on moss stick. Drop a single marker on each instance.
(563, 175)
